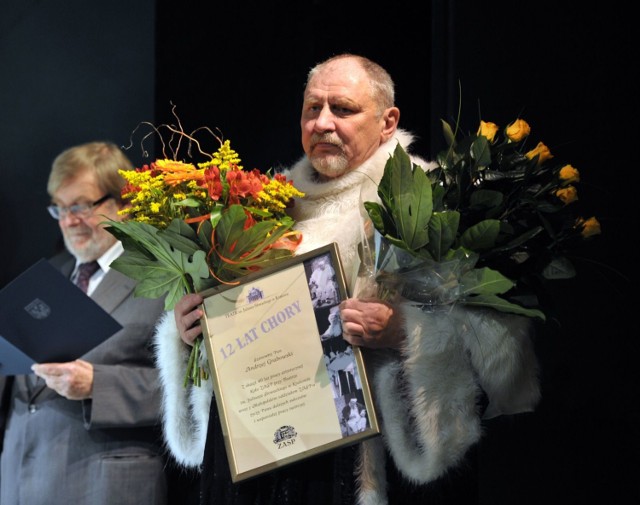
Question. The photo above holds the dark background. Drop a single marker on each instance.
(74, 71)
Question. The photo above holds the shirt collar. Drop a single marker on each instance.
(105, 260)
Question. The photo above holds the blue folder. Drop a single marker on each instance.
(45, 318)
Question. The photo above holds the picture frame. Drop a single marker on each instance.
(287, 385)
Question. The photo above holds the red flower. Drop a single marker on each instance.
(243, 184)
(213, 182)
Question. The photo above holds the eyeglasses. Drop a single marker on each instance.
(76, 210)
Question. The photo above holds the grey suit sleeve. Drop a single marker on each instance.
(123, 396)
(126, 389)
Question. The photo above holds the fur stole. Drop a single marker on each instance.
(185, 411)
(427, 394)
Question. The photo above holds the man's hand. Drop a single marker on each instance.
(73, 380)
(373, 324)
(187, 315)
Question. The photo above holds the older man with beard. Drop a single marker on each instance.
(427, 394)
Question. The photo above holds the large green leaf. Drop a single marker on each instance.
(174, 270)
(443, 227)
(481, 236)
(166, 275)
(180, 236)
(134, 236)
(410, 189)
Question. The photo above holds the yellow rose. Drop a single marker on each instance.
(541, 151)
(567, 195)
(518, 130)
(589, 227)
(568, 174)
(487, 130)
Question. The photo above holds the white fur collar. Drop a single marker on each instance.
(185, 411)
(304, 175)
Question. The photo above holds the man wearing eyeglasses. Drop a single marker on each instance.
(87, 431)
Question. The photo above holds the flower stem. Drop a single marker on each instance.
(195, 373)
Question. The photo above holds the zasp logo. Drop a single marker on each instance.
(38, 309)
(284, 436)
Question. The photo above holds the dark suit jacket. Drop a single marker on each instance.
(106, 450)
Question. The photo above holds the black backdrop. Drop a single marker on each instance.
(561, 68)
(72, 72)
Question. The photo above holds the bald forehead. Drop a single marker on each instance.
(342, 78)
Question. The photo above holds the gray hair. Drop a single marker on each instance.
(104, 159)
(382, 86)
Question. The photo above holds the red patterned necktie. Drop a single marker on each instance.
(85, 271)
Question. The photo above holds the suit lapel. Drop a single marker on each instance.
(113, 290)
(66, 267)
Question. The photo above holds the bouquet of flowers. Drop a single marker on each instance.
(479, 226)
(192, 226)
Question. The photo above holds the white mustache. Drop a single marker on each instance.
(325, 138)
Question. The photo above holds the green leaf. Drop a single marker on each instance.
(410, 189)
(239, 250)
(486, 199)
(205, 234)
(559, 268)
(385, 189)
(447, 131)
(216, 214)
(484, 281)
(380, 218)
(188, 202)
(481, 236)
(402, 245)
(462, 255)
(228, 230)
(443, 227)
(134, 235)
(181, 236)
(481, 151)
(497, 303)
(519, 240)
(164, 276)
(173, 272)
(438, 193)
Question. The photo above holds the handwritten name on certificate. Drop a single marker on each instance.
(268, 365)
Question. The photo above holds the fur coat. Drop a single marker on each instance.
(426, 395)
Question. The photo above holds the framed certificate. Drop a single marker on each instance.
(287, 385)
